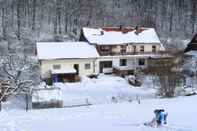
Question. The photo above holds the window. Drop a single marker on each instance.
(153, 48)
(106, 64)
(123, 62)
(87, 66)
(141, 62)
(56, 67)
(141, 48)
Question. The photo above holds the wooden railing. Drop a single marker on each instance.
(108, 53)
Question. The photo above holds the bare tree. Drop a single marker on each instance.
(16, 73)
(168, 71)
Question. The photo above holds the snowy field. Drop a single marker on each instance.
(107, 117)
(102, 89)
(103, 115)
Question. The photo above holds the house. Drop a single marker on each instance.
(66, 61)
(191, 48)
(122, 49)
(191, 57)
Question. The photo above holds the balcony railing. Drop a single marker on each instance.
(108, 53)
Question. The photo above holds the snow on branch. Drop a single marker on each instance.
(16, 72)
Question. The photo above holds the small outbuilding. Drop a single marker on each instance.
(47, 98)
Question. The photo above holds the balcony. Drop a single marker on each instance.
(109, 53)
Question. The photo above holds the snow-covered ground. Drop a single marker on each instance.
(102, 89)
(107, 117)
(103, 115)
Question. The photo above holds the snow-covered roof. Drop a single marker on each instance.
(104, 36)
(60, 50)
(44, 95)
(67, 70)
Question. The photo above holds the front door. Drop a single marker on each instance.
(76, 67)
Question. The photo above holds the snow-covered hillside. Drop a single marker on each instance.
(106, 117)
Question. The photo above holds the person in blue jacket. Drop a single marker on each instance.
(160, 116)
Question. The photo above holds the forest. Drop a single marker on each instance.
(23, 22)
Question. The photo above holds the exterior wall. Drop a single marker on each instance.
(132, 62)
(47, 66)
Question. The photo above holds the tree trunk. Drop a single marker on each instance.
(3, 22)
(18, 34)
(34, 16)
(27, 102)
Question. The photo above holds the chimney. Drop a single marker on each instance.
(102, 32)
(121, 28)
(137, 30)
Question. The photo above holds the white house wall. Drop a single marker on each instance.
(47, 66)
(132, 63)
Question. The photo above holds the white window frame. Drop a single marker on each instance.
(87, 66)
(121, 63)
(56, 66)
(144, 62)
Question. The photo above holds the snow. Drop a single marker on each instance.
(66, 70)
(93, 35)
(103, 115)
(107, 117)
(101, 91)
(44, 95)
(60, 50)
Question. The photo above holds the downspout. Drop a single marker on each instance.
(94, 65)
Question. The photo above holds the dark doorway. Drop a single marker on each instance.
(76, 67)
(104, 64)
